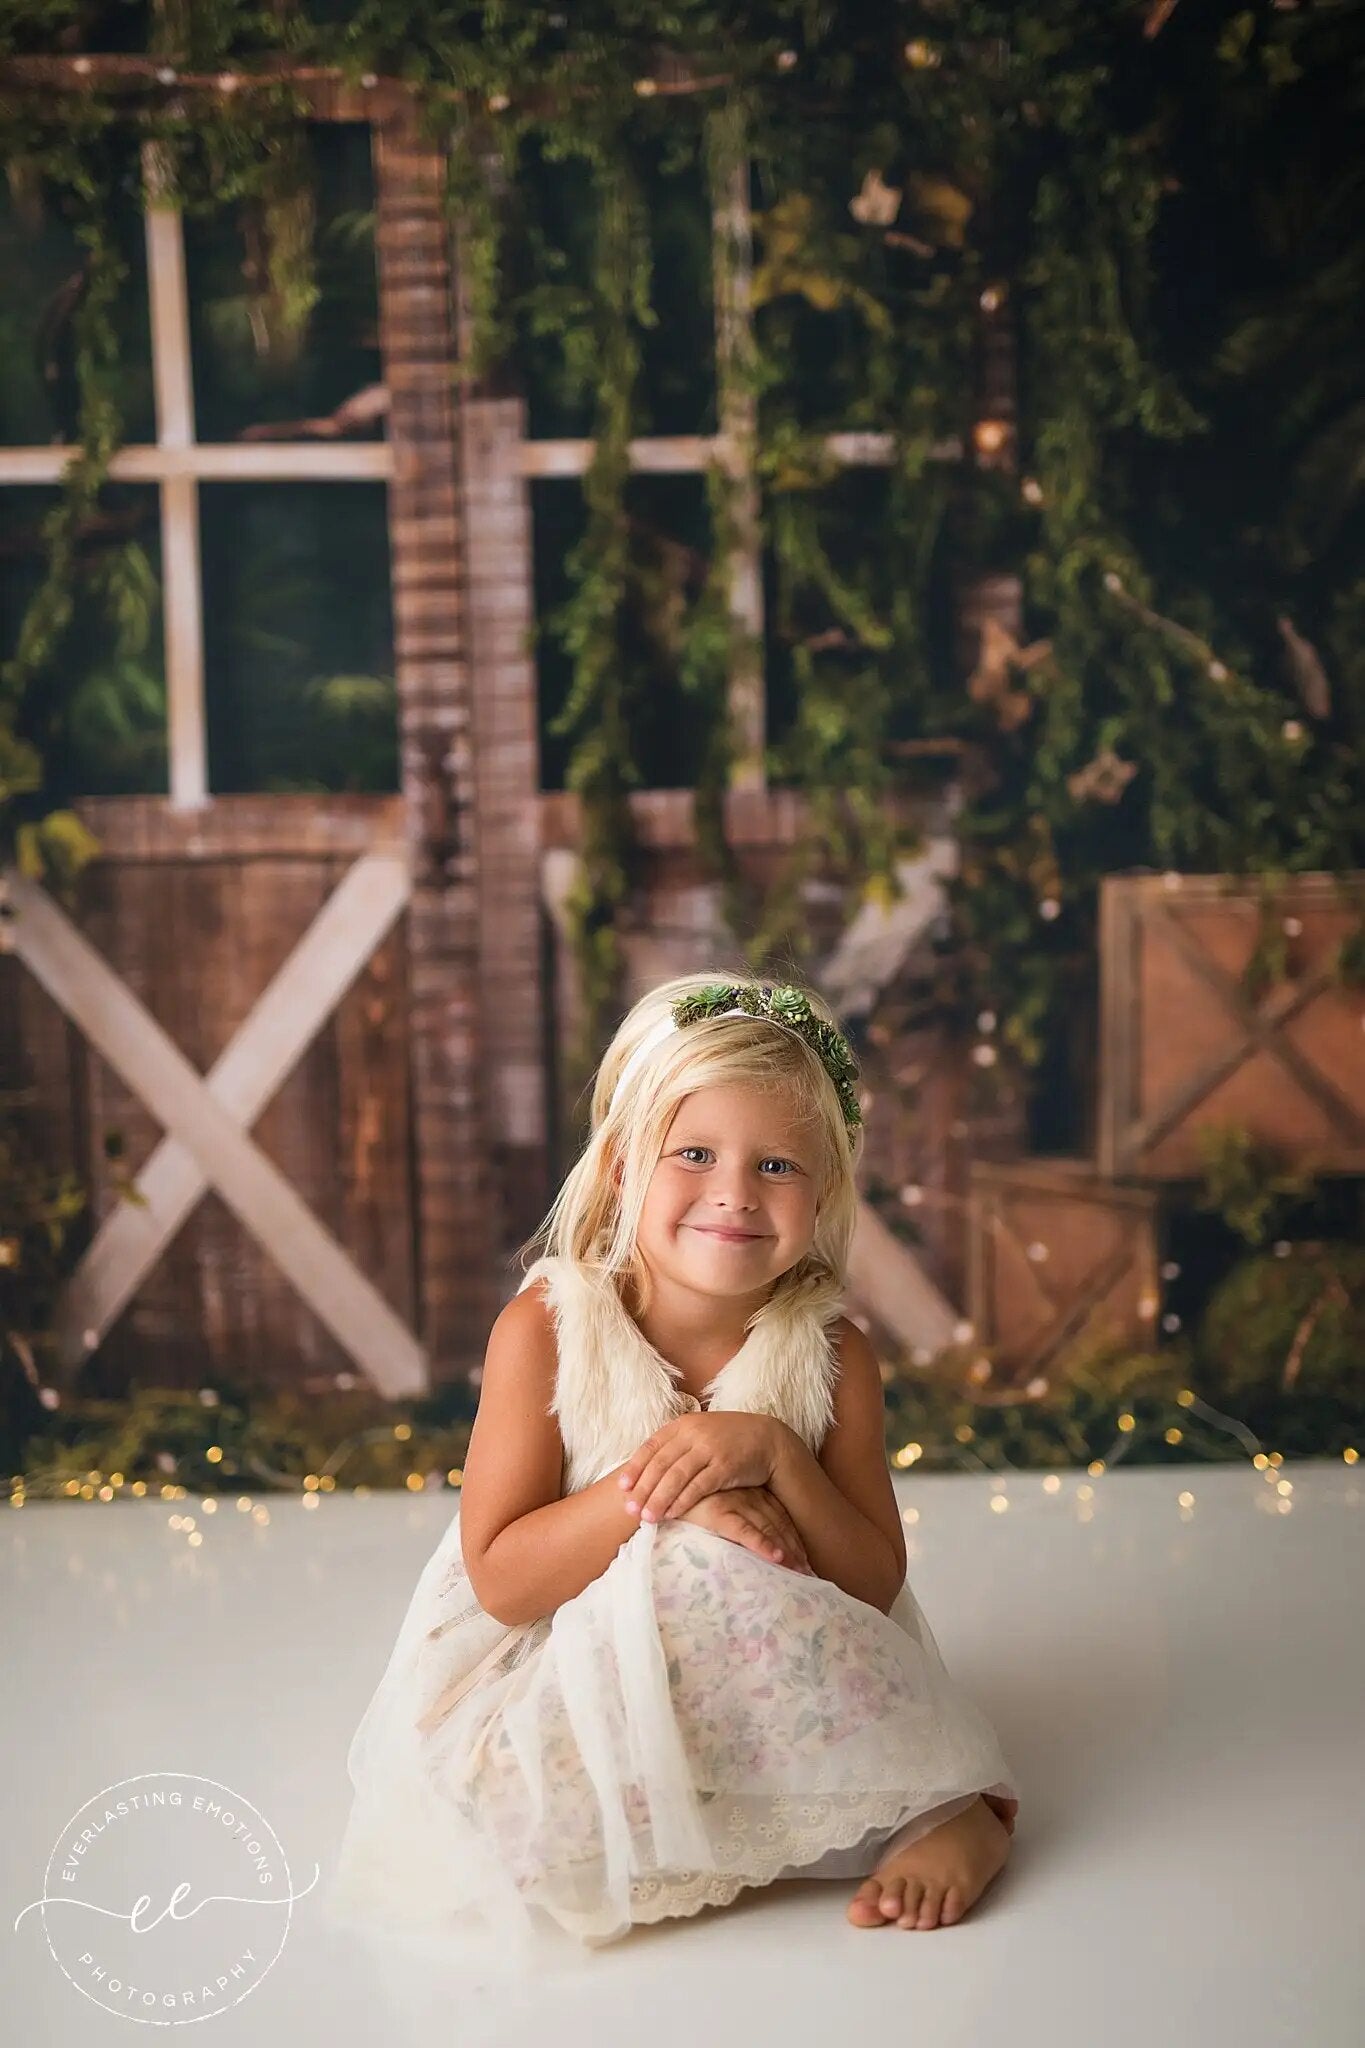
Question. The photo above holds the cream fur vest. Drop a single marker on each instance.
(613, 1389)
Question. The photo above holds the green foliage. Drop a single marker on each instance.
(38, 1209)
(1245, 1185)
(1184, 511)
(1288, 1328)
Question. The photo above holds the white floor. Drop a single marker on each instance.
(1181, 1693)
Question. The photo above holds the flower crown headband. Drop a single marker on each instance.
(789, 1007)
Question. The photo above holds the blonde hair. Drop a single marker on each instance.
(594, 1222)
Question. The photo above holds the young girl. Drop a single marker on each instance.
(667, 1649)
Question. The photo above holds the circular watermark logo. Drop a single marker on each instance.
(167, 1898)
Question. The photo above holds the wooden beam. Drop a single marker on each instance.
(682, 454)
(892, 1285)
(181, 592)
(182, 612)
(666, 818)
(125, 1034)
(372, 461)
(227, 462)
(500, 587)
(459, 1228)
(657, 455)
(278, 826)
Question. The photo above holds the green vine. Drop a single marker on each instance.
(596, 714)
(908, 166)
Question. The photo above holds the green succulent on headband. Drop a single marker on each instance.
(791, 1007)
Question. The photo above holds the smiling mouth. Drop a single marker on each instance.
(728, 1236)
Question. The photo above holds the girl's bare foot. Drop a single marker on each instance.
(935, 1880)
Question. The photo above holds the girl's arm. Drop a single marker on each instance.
(843, 1502)
(525, 1549)
(547, 1557)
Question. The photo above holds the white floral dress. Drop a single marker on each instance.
(699, 1719)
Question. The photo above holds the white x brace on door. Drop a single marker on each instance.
(208, 1118)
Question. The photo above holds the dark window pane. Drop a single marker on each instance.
(670, 541)
(255, 365)
(45, 273)
(97, 712)
(549, 261)
(298, 634)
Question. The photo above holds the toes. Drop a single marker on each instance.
(931, 1906)
(954, 1906)
(892, 1890)
(864, 1908)
(909, 1909)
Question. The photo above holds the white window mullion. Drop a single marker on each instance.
(181, 573)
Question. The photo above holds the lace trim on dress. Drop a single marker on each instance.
(834, 1821)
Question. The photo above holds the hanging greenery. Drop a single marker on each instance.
(1176, 505)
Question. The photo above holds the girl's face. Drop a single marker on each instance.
(731, 1204)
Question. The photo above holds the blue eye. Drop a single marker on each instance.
(791, 1163)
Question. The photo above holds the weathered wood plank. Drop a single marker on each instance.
(663, 819)
(497, 515)
(285, 827)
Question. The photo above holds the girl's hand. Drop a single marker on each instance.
(755, 1518)
(696, 1455)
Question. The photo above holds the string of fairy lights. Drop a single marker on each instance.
(96, 1485)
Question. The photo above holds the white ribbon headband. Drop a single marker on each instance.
(662, 1030)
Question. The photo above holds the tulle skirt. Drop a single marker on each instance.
(698, 1720)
